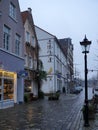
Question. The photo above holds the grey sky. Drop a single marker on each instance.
(69, 18)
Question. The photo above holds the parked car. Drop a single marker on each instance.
(77, 89)
(80, 88)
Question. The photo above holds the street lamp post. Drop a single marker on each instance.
(85, 47)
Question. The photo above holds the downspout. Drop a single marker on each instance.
(54, 86)
(37, 58)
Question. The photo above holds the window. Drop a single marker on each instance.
(61, 67)
(6, 38)
(27, 37)
(49, 45)
(49, 59)
(6, 85)
(26, 60)
(12, 11)
(33, 41)
(27, 86)
(0, 88)
(57, 65)
(35, 64)
(30, 62)
(8, 89)
(17, 45)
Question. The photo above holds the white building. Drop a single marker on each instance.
(54, 61)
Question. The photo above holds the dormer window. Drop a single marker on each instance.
(12, 11)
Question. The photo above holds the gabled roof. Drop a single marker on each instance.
(45, 31)
(27, 15)
(24, 16)
(55, 38)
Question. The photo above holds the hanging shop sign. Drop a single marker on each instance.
(22, 73)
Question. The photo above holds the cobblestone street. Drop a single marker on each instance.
(63, 114)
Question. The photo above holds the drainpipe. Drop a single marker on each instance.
(38, 69)
(54, 86)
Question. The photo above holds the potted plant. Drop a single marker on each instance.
(54, 96)
(91, 111)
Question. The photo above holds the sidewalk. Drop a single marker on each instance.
(93, 124)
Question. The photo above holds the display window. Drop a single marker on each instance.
(6, 85)
(0, 88)
(8, 89)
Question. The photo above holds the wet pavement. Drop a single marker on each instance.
(64, 114)
(93, 124)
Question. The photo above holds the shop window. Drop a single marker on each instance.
(8, 75)
(0, 75)
(0, 88)
(8, 89)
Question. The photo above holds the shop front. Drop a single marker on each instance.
(11, 83)
(7, 88)
(30, 84)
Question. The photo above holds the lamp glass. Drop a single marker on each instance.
(85, 44)
(85, 48)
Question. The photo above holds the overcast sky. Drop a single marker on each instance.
(69, 18)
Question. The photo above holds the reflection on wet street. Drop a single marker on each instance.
(44, 114)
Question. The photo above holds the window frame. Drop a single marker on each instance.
(26, 60)
(27, 36)
(30, 62)
(33, 41)
(12, 11)
(17, 44)
(6, 38)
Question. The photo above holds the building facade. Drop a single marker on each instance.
(54, 61)
(11, 54)
(67, 46)
(31, 53)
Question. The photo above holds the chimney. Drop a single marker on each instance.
(30, 10)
